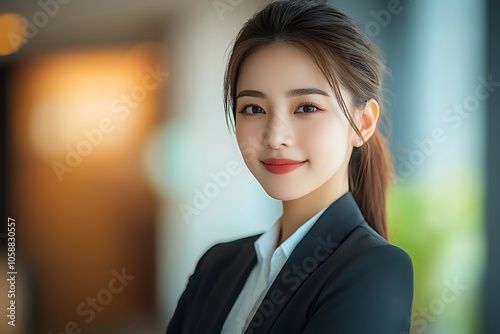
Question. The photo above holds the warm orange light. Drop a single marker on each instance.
(11, 33)
(103, 97)
(87, 105)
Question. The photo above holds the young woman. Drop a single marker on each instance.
(303, 87)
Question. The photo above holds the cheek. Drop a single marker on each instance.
(246, 137)
(242, 134)
(325, 140)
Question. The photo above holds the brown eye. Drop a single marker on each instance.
(252, 109)
(307, 108)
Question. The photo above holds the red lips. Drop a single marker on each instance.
(281, 166)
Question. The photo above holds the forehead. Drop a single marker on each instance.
(280, 66)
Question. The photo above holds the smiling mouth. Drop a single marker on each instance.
(283, 167)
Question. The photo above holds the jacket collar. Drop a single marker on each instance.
(330, 230)
(335, 224)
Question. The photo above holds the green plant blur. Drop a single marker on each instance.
(440, 224)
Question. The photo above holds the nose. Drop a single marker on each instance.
(278, 133)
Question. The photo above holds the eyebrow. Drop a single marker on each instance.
(290, 93)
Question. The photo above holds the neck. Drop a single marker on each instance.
(298, 211)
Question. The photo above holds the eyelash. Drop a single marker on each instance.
(308, 104)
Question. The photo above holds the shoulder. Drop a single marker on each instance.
(369, 287)
(222, 253)
(369, 255)
(372, 265)
(372, 247)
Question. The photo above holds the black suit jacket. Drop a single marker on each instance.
(342, 277)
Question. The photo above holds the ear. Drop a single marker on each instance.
(367, 122)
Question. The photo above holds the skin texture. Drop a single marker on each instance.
(276, 125)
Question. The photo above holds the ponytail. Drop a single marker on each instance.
(370, 171)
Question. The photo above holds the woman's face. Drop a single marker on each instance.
(286, 109)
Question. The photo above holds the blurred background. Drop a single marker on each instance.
(119, 170)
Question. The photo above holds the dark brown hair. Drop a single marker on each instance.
(346, 57)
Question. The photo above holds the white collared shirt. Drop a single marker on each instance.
(269, 263)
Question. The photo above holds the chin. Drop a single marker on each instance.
(284, 193)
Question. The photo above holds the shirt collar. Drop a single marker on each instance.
(265, 245)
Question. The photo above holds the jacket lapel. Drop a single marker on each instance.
(331, 229)
(226, 289)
